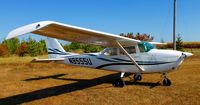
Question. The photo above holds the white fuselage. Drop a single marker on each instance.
(154, 61)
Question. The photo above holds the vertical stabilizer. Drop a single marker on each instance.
(54, 48)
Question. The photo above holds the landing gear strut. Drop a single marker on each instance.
(137, 77)
(119, 82)
(166, 81)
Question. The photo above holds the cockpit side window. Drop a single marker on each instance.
(141, 47)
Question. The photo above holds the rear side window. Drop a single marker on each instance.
(130, 50)
(110, 52)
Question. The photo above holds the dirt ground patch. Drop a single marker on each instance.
(22, 82)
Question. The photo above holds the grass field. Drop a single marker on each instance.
(22, 82)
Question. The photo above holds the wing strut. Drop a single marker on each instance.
(131, 58)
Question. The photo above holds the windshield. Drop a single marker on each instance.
(145, 46)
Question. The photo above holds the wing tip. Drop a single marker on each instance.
(27, 29)
(9, 36)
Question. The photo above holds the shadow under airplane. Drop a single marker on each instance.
(62, 89)
(45, 77)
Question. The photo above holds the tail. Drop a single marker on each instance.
(54, 48)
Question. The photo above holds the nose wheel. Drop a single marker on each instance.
(166, 81)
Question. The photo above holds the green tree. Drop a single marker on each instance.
(75, 46)
(92, 48)
(179, 43)
(32, 47)
(66, 47)
(42, 47)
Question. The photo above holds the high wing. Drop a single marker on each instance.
(72, 34)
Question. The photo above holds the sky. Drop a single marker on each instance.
(153, 17)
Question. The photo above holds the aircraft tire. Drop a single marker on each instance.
(137, 77)
(118, 83)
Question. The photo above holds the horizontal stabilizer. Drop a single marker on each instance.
(37, 60)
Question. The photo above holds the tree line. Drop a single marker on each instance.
(34, 48)
(21, 48)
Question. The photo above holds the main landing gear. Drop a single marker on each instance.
(166, 81)
(119, 82)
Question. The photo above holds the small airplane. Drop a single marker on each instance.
(124, 55)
